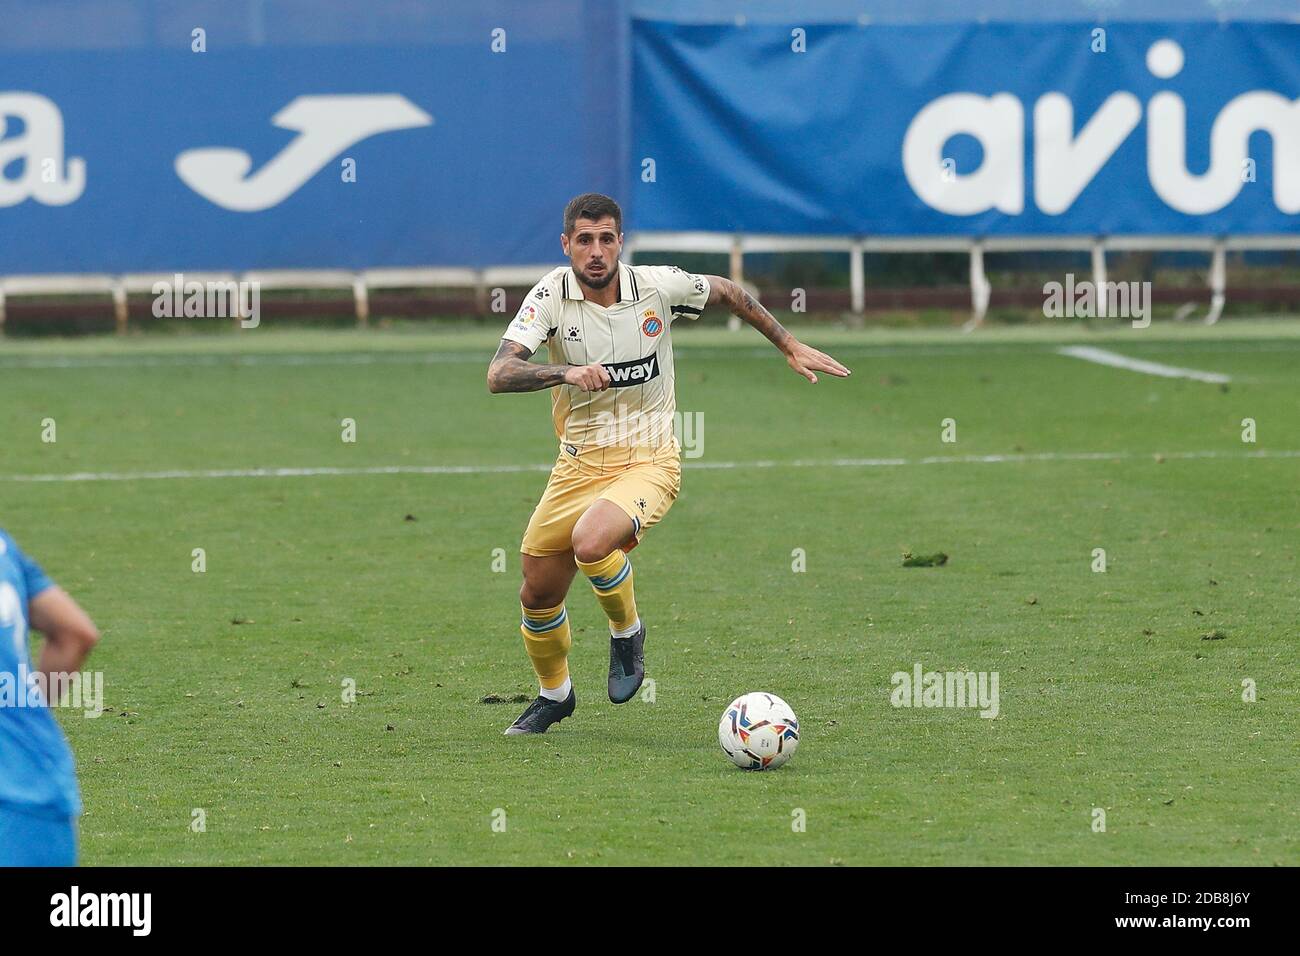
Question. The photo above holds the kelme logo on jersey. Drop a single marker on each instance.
(652, 325)
(636, 372)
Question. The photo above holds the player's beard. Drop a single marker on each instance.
(601, 281)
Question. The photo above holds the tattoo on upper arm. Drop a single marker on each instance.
(510, 348)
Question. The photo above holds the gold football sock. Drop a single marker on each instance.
(611, 579)
(547, 639)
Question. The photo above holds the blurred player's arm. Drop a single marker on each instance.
(804, 359)
(69, 632)
(510, 371)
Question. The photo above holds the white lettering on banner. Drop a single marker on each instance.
(326, 125)
(1064, 164)
(1229, 145)
(46, 176)
(998, 122)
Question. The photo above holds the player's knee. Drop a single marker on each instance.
(589, 546)
(535, 596)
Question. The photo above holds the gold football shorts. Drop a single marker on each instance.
(645, 490)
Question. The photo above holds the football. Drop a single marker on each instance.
(758, 731)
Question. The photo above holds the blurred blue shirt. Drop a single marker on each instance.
(36, 769)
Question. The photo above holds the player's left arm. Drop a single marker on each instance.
(804, 359)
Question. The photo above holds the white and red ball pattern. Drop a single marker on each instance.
(758, 731)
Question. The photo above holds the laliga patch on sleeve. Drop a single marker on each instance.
(526, 318)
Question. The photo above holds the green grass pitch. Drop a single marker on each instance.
(225, 687)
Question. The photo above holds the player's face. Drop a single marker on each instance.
(593, 249)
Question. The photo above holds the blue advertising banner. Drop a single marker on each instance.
(318, 157)
(461, 147)
(1011, 129)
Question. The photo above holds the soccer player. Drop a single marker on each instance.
(608, 329)
(39, 802)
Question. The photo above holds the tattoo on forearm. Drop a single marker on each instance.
(510, 371)
(747, 307)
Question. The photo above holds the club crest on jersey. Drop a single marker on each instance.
(635, 372)
(652, 324)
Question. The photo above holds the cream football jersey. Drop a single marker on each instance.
(633, 419)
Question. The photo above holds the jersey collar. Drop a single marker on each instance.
(627, 285)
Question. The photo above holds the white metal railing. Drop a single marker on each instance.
(734, 245)
(358, 283)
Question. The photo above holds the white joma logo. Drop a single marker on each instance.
(326, 125)
(103, 909)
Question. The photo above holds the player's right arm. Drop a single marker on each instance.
(510, 371)
(534, 323)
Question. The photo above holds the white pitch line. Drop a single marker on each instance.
(684, 350)
(70, 362)
(277, 472)
(235, 359)
(1103, 357)
(82, 476)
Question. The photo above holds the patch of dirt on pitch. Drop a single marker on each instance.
(936, 560)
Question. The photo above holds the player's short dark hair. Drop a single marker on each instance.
(591, 206)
